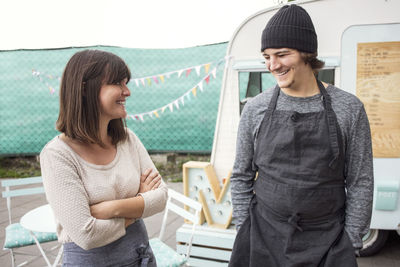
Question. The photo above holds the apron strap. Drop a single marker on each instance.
(274, 100)
(267, 116)
(332, 129)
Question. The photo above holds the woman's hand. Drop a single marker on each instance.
(103, 210)
(128, 221)
(149, 180)
(120, 208)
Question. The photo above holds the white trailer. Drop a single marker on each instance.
(359, 40)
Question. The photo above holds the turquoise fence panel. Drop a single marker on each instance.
(173, 104)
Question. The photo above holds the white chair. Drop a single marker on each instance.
(165, 255)
(16, 236)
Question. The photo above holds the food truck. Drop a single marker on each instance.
(359, 40)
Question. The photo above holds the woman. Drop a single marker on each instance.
(98, 177)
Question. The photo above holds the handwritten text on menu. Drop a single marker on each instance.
(378, 87)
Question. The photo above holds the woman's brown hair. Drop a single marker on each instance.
(81, 81)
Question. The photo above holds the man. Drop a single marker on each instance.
(310, 143)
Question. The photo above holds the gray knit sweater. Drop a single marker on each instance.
(356, 134)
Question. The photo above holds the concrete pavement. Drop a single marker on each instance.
(21, 205)
(388, 257)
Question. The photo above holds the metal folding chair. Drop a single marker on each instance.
(165, 255)
(18, 237)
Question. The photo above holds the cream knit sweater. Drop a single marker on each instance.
(73, 184)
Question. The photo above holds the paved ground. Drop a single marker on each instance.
(21, 205)
(388, 257)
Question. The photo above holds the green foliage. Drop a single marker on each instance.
(172, 170)
(19, 167)
(22, 167)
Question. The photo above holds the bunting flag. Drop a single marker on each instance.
(214, 73)
(193, 91)
(179, 73)
(176, 102)
(180, 100)
(200, 87)
(207, 67)
(207, 79)
(156, 79)
(197, 68)
(40, 75)
(144, 81)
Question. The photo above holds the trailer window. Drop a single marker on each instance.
(253, 83)
(327, 75)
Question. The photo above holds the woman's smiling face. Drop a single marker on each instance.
(112, 99)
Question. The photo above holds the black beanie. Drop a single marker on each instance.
(290, 27)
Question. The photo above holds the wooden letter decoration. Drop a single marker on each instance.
(201, 184)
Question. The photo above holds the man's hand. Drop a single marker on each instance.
(149, 180)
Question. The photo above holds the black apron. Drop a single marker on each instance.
(296, 216)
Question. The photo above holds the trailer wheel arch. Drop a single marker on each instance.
(373, 241)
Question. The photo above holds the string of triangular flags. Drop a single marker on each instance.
(40, 75)
(157, 78)
(146, 80)
(180, 100)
